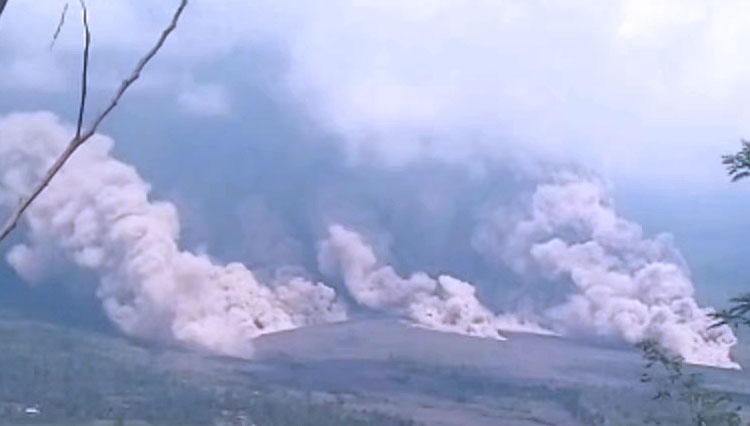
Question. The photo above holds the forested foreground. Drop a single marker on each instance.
(54, 375)
(76, 376)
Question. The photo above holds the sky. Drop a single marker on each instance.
(639, 90)
(283, 104)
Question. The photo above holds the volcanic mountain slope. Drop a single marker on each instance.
(368, 372)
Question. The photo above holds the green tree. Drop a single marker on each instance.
(738, 313)
(738, 165)
(738, 168)
(705, 407)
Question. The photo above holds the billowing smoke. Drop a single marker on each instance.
(443, 303)
(625, 284)
(98, 215)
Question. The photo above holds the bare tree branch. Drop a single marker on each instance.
(82, 137)
(2, 6)
(60, 25)
(137, 71)
(85, 70)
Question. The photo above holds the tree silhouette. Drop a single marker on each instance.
(706, 407)
(82, 135)
(738, 165)
(738, 314)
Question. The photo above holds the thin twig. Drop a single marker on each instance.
(85, 71)
(2, 6)
(60, 25)
(138, 69)
(77, 141)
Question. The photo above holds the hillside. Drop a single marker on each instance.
(370, 372)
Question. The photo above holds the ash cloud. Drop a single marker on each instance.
(98, 215)
(623, 282)
(406, 137)
(444, 303)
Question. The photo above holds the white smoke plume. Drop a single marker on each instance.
(626, 284)
(443, 303)
(97, 214)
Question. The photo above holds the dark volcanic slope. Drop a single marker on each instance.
(522, 356)
(446, 379)
(369, 372)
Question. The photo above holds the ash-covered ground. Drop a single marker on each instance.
(366, 372)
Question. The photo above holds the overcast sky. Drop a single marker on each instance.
(649, 93)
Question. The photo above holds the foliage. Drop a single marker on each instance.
(77, 378)
(705, 407)
(738, 165)
(738, 314)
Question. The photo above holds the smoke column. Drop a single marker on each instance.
(98, 215)
(625, 284)
(443, 303)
